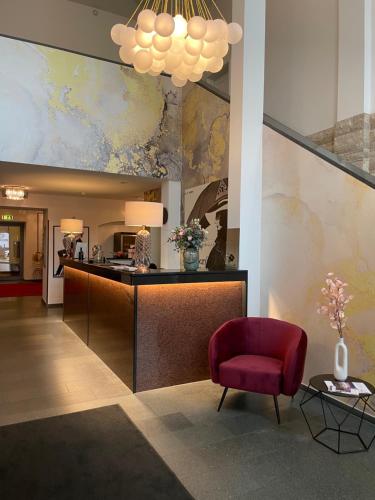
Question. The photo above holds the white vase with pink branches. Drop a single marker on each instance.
(336, 302)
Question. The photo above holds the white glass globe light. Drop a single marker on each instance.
(222, 29)
(164, 24)
(189, 59)
(212, 32)
(201, 65)
(197, 27)
(158, 66)
(157, 55)
(195, 77)
(178, 82)
(161, 43)
(235, 33)
(172, 61)
(193, 46)
(116, 32)
(153, 73)
(178, 45)
(180, 26)
(127, 54)
(209, 49)
(143, 39)
(215, 65)
(143, 61)
(127, 37)
(221, 48)
(146, 20)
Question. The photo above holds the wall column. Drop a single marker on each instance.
(246, 133)
(171, 199)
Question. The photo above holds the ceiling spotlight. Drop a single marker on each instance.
(14, 192)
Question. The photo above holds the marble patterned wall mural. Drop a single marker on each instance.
(317, 219)
(66, 110)
(205, 139)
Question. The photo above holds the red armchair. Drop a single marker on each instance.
(260, 355)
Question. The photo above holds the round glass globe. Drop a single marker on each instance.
(189, 59)
(178, 82)
(146, 20)
(178, 45)
(127, 54)
(195, 77)
(158, 66)
(235, 33)
(222, 29)
(127, 37)
(193, 47)
(212, 32)
(161, 43)
(201, 65)
(143, 61)
(164, 24)
(172, 61)
(221, 48)
(209, 49)
(215, 65)
(116, 32)
(197, 27)
(180, 26)
(143, 39)
(157, 55)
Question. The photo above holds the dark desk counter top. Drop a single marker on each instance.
(155, 276)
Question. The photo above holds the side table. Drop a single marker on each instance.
(328, 408)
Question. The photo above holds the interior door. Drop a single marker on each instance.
(11, 251)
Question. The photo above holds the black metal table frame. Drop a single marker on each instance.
(350, 410)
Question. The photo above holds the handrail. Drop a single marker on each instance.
(323, 153)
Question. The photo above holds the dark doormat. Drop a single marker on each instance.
(96, 454)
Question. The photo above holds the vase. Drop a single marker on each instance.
(191, 259)
(340, 371)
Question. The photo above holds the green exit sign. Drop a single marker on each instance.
(7, 217)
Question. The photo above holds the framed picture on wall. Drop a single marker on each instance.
(58, 248)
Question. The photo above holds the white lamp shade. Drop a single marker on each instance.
(71, 226)
(143, 213)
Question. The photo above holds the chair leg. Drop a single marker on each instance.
(277, 409)
(222, 398)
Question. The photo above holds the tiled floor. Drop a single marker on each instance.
(239, 453)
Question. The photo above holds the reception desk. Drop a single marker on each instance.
(151, 329)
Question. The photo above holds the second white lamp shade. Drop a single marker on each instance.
(71, 226)
(143, 213)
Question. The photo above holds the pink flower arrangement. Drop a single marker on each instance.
(192, 236)
(336, 302)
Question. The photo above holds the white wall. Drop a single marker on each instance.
(94, 212)
(301, 63)
(60, 23)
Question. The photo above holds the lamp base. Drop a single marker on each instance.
(143, 250)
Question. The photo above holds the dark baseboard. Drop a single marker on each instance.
(340, 404)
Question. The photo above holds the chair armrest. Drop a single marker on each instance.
(222, 347)
(294, 364)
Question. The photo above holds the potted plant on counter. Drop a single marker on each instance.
(188, 239)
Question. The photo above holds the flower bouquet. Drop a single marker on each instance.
(189, 239)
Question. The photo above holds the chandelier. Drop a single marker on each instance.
(14, 192)
(179, 37)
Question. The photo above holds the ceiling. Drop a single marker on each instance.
(125, 8)
(62, 181)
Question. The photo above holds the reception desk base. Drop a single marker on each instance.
(151, 335)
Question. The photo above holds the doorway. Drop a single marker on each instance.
(11, 251)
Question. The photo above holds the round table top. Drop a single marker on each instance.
(318, 383)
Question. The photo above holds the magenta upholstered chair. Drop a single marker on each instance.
(258, 355)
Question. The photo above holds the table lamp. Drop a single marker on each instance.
(145, 214)
(71, 229)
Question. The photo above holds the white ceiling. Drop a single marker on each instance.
(62, 181)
